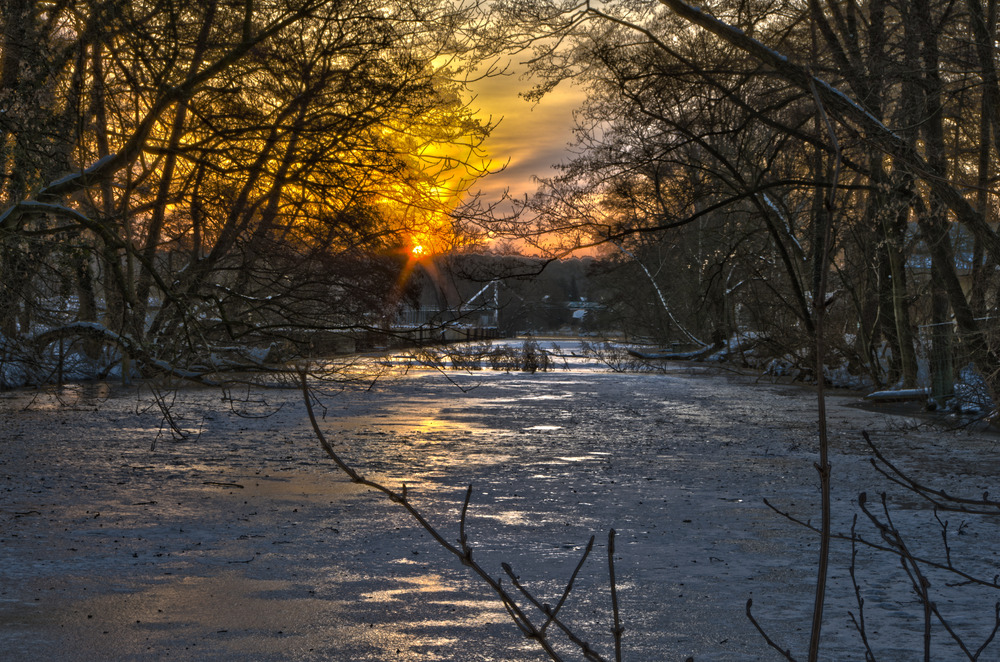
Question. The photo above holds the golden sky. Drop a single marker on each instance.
(532, 136)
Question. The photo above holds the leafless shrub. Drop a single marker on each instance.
(468, 356)
(456, 357)
(530, 357)
(617, 358)
(503, 358)
(535, 358)
(427, 357)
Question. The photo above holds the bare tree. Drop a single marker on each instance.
(730, 105)
(238, 175)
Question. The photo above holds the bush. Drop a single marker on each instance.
(528, 358)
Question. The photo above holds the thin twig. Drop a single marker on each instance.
(614, 596)
(819, 306)
(859, 622)
(921, 585)
(520, 618)
(939, 498)
(993, 633)
(993, 583)
(569, 585)
(167, 416)
(588, 652)
(787, 654)
(463, 539)
(944, 537)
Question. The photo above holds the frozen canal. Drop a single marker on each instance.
(243, 542)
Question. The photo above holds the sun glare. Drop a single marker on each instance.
(419, 250)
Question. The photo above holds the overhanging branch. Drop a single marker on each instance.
(847, 111)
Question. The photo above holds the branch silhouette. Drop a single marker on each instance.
(526, 622)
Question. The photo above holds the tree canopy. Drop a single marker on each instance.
(196, 176)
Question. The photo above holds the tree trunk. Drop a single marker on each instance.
(897, 289)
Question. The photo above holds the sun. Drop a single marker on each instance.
(419, 250)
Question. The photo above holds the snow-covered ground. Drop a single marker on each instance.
(242, 542)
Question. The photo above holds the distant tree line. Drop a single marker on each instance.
(594, 296)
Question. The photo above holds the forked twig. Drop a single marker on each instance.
(520, 618)
(859, 621)
(921, 585)
(464, 551)
(167, 417)
(569, 585)
(993, 633)
(944, 536)
(939, 498)
(970, 579)
(585, 648)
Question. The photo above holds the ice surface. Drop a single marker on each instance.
(243, 543)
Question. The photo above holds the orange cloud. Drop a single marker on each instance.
(533, 137)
